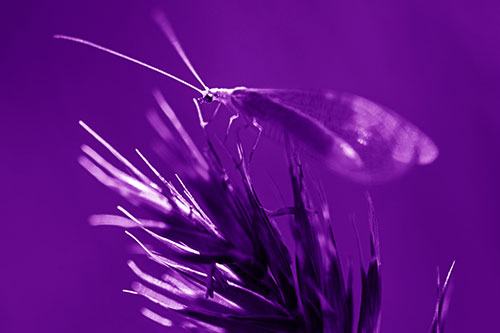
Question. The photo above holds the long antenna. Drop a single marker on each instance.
(167, 29)
(118, 54)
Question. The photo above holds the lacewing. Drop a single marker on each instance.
(353, 136)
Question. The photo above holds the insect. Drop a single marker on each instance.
(353, 136)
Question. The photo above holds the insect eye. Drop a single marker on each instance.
(208, 98)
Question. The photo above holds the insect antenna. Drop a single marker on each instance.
(120, 55)
(167, 29)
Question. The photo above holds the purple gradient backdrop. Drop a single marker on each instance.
(436, 63)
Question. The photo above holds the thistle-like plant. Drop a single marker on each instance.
(223, 264)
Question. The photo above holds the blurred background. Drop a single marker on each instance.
(437, 63)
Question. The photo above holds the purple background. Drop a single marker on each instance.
(436, 63)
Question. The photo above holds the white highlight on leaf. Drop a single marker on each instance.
(174, 288)
(125, 184)
(156, 317)
(120, 221)
(162, 300)
(228, 272)
(172, 244)
(150, 166)
(122, 159)
(183, 285)
(204, 218)
(164, 261)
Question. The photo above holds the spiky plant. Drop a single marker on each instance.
(224, 266)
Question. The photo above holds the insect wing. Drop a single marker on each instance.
(387, 143)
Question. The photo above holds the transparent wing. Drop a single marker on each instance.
(386, 143)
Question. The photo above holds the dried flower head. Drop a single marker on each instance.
(224, 264)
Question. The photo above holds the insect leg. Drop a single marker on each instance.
(203, 123)
(215, 112)
(231, 120)
(259, 128)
